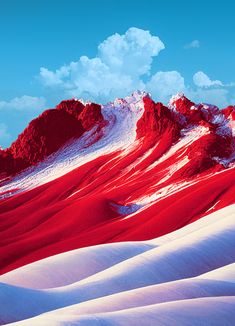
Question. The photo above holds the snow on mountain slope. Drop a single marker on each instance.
(116, 211)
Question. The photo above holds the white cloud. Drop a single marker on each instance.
(211, 91)
(216, 96)
(131, 53)
(116, 70)
(163, 85)
(4, 134)
(192, 45)
(15, 114)
(200, 79)
(23, 103)
(124, 64)
(52, 79)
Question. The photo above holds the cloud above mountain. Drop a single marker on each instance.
(117, 69)
(164, 84)
(195, 44)
(23, 103)
(200, 79)
(4, 134)
(124, 63)
(21, 110)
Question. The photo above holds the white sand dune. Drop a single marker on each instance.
(78, 264)
(214, 311)
(158, 281)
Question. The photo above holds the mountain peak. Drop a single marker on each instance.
(155, 122)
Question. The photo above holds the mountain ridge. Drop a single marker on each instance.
(53, 128)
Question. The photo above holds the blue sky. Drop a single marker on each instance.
(175, 46)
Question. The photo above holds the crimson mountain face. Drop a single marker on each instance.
(71, 118)
(47, 133)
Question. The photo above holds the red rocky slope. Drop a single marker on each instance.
(49, 132)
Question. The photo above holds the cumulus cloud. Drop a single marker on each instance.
(117, 69)
(131, 53)
(163, 85)
(192, 45)
(4, 134)
(23, 103)
(15, 114)
(123, 64)
(200, 79)
(211, 91)
(50, 78)
(217, 96)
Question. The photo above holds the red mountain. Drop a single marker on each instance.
(86, 174)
